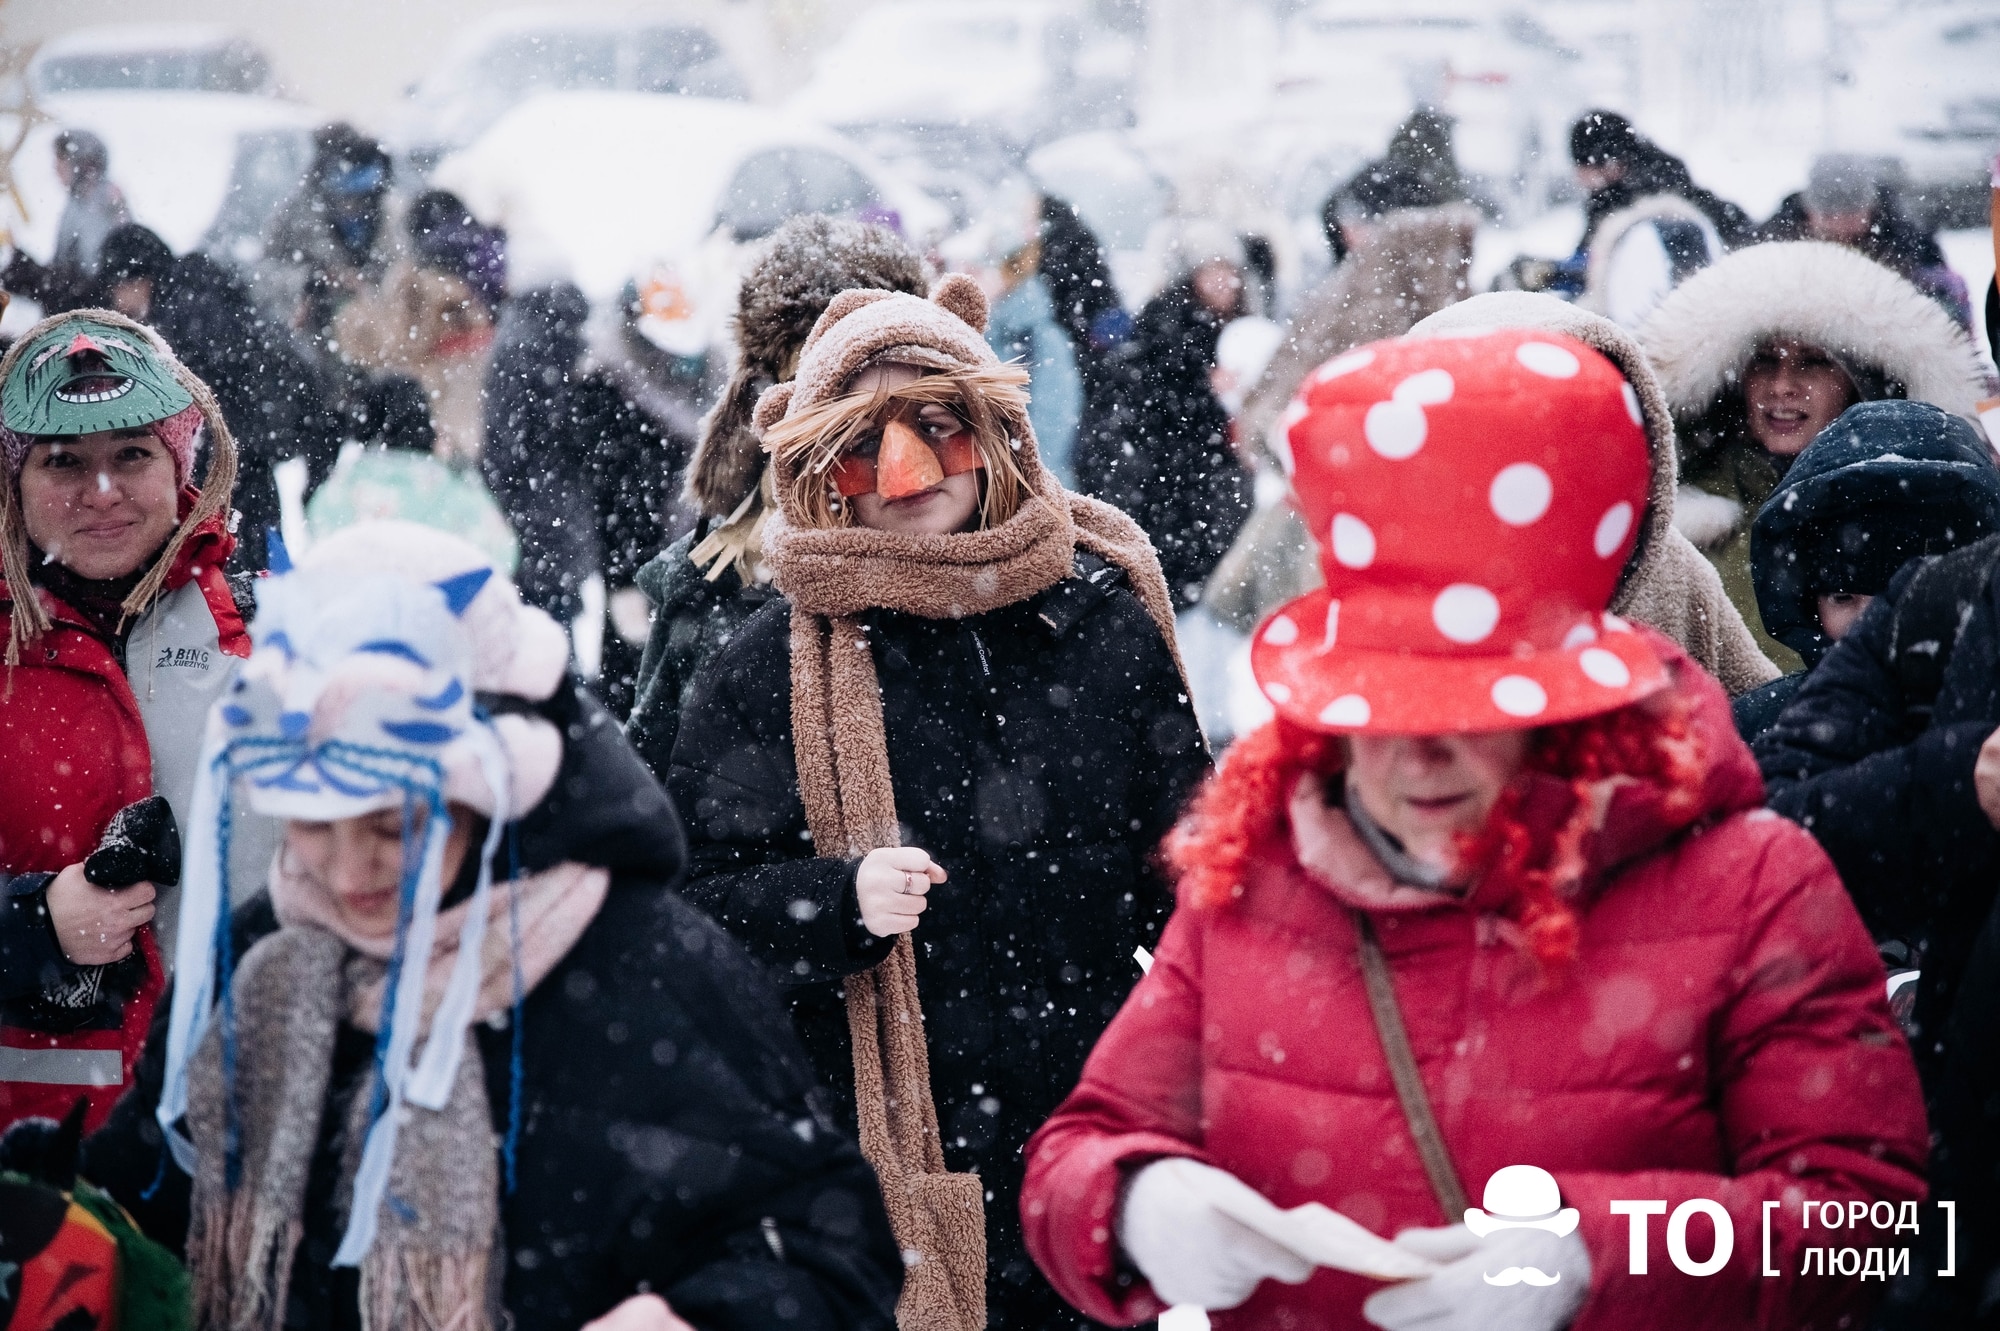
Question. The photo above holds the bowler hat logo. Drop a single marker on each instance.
(1522, 1197)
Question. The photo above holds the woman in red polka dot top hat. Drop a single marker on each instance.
(1493, 889)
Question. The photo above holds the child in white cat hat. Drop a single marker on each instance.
(470, 918)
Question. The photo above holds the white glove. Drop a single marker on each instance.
(1190, 1251)
(1461, 1298)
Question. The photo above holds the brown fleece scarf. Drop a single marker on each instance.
(842, 755)
(431, 1265)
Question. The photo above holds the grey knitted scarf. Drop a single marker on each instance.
(431, 1263)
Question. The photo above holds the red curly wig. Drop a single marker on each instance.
(1242, 807)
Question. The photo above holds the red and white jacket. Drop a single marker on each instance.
(80, 738)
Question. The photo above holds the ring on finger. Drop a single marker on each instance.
(909, 882)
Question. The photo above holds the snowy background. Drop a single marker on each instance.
(639, 149)
(1142, 111)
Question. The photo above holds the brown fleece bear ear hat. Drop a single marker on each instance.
(944, 334)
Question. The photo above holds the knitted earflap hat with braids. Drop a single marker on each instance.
(82, 372)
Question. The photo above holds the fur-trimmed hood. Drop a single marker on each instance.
(807, 262)
(1704, 333)
(1614, 228)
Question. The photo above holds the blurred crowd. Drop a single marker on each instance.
(946, 595)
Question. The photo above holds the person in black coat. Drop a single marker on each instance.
(267, 389)
(657, 1125)
(1168, 459)
(581, 471)
(1890, 756)
(1847, 201)
(1886, 483)
(1039, 743)
(1618, 166)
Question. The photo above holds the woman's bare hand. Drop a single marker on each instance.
(891, 884)
(94, 925)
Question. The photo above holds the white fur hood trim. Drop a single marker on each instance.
(1703, 333)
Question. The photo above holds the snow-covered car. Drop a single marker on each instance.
(606, 189)
(964, 165)
(203, 169)
(151, 57)
(1029, 69)
(1512, 86)
(499, 63)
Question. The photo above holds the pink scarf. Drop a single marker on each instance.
(556, 906)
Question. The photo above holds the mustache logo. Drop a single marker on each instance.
(1522, 1275)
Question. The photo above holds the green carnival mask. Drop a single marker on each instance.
(85, 375)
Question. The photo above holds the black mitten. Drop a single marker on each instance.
(142, 845)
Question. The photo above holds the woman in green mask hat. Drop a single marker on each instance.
(121, 630)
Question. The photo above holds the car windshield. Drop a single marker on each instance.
(232, 68)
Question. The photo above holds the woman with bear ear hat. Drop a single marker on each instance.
(467, 1059)
(930, 775)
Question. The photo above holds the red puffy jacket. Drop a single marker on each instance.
(1723, 1033)
(75, 751)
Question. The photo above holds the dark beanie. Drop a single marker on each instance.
(1884, 484)
(446, 237)
(804, 265)
(1601, 136)
(132, 251)
(395, 411)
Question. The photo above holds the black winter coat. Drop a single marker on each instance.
(581, 471)
(1166, 459)
(672, 1137)
(693, 619)
(1885, 784)
(268, 391)
(1886, 788)
(1882, 777)
(1038, 752)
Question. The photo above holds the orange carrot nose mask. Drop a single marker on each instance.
(903, 462)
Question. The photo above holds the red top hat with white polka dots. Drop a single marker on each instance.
(1474, 500)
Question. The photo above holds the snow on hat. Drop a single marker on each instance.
(1474, 499)
(362, 694)
(1842, 183)
(867, 327)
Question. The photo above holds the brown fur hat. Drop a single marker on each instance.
(807, 262)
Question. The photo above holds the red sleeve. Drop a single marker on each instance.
(1139, 1100)
(232, 637)
(1819, 1101)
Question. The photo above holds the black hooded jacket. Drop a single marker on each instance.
(1875, 757)
(1167, 460)
(1038, 752)
(672, 1137)
(581, 471)
(1886, 483)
